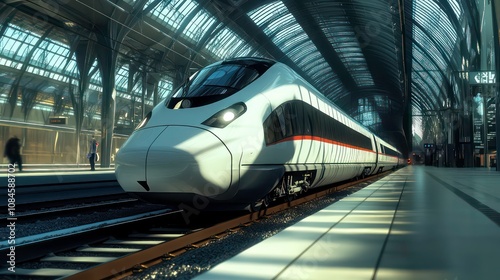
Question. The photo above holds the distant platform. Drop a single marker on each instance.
(42, 183)
(417, 223)
(45, 168)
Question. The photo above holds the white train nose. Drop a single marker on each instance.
(174, 159)
(185, 159)
(130, 163)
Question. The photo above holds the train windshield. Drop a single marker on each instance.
(214, 83)
(220, 79)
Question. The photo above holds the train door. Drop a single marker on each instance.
(375, 167)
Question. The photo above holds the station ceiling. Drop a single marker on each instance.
(381, 61)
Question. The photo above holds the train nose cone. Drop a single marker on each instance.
(188, 160)
(130, 163)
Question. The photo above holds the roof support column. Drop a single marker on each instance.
(107, 61)
(131, 81)
(496, 91)
(155, 92)
(85, 55)
(143, 93)
(497, 116)
(407, 53)
(110, 37)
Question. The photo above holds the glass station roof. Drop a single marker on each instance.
(369, 57)
(286, 33)
(435, 50)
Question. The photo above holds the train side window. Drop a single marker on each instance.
(281, 121)
(289, 115)
(305, 120)
(271, 126)
(295, 118)
(274, 126)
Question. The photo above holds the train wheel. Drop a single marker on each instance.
(261, 204)
(255, 207)
(365, 173)
(266, 201)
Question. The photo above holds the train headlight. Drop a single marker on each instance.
(224, 117)
(228, 116)
(144, 121)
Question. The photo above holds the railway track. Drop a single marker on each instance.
(117, 251)
(44, 212)
(41, 189)
(46, 249)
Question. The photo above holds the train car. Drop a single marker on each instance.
(388, 157)
(243, 132)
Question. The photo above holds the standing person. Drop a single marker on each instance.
(13, 152)
(92, 153)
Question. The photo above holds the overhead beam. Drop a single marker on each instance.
(309, 24)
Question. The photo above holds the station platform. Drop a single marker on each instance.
(38, 175)
(44, 183)
(51, 168)
(417, 223)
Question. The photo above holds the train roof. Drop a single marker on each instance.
(260, 64)
(250, 60)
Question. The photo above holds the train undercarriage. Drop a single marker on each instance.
(291, 185)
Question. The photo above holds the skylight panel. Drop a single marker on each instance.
(225, 44)
(317, 64)
(430, 89)
(303, 50)
(297, 40)
(341, 36)
(199, 25)
(17, 43)
(431, 51)
(165, 88)
(243, 51)
(268, 11)
(51, 59)
(282, 28)
(121, 78)
(173, 12)
(52, 56)
(417, 97)
(457, 8)
(435, 21)
(277, 24)
(427, 74)
(305, 57)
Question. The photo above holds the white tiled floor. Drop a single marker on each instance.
(418, 223)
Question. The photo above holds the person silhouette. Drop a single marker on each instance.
(13, 152)
(92, 153)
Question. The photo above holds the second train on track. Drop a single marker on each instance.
(242, 132)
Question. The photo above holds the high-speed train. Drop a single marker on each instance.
(242, 132)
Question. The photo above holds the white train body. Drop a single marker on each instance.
(285, 137)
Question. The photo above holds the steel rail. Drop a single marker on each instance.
(45, 214)
(37, 249)
(23, 207)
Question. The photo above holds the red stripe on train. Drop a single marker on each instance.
(320, 139)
